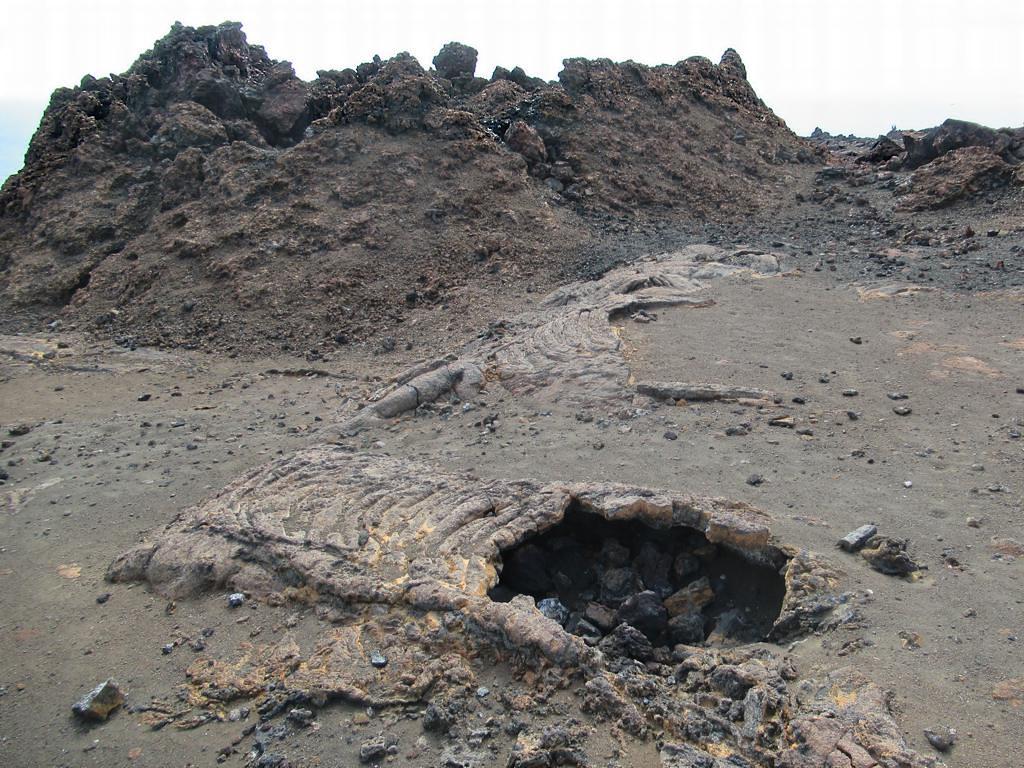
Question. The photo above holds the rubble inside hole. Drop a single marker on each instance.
(591, 575)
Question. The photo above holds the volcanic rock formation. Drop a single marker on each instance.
(209, 197)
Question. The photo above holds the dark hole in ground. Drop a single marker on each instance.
(592, 574)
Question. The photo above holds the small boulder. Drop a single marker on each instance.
(691, 598)
(553, 608)
(627, 641)
(646, 612)
(456, 60)
(889, 556)
(617, 584)
(523, 139)
(98, 703)
(686, 629)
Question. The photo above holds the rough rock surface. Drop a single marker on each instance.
(569, 348)
(208, 197)
(404, 555)
(369, 529)
(960, 173)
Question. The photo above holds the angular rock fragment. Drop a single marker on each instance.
(98, 703)
(646, 612)
(690, 599)
(856, 539)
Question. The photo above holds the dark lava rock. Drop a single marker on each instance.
(617, 584)
(456, 60)
(614, 553)
(646, 612)
(627, 641)
(687, 628)
(942, 740)
(523, 139)
(653, 566)
(685, 565)
(731, 680)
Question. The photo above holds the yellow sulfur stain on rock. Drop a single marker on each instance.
(841, 697)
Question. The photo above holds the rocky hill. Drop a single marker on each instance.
(209, 197)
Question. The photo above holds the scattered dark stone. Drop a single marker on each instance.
(101, 599)
(902, 410)
(378, 660)
(456, 60)
(856, 339)
(438, 719)
(737, 431)
(19, 429)
(787, 375)
(898, 396)
(167, 648)
(852, 415)
(850, 393)
(301, 717)
(375, 749)
(98, 703)
(144, 397)
(799, 400)
(755, 480)
(691, 598)
(236, 600)
(583, 628)
(670, 435)
(685, 565)
(942, 740)
(731, 680)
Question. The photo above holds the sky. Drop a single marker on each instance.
(849, 67)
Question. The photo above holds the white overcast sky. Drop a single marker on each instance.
(858, 66)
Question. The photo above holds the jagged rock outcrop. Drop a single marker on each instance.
(957, 174)
(209, 197)
(924, 146)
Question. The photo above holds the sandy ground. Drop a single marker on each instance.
(100, 467)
